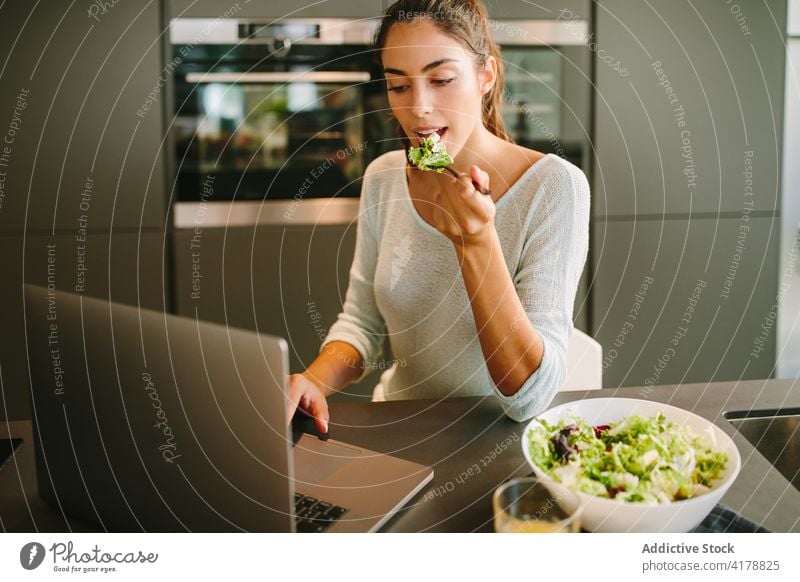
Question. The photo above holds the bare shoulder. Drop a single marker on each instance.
(524, 156)
(565, 172)
(519, 159)
(565, 167)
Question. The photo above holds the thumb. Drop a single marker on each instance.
(480, 178)
(322, 424)
(319, 410)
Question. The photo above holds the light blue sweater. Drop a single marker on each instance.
(406, 282)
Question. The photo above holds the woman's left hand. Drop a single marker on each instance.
(460, 212)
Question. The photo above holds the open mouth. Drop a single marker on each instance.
(422, 135)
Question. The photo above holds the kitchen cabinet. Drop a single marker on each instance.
(698, 104)
(275, 9)
(688, 115)
(123, 267)
(527, 10)
(82, 103)
(685, 300)
(288, 281)
(82, 127)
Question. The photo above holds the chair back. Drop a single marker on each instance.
(584, 363)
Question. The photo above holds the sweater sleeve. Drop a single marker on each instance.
(360, 324)
(546, 281)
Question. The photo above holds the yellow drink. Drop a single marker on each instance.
(524, 505)
(505, 524)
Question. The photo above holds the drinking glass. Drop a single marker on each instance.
(524, 505)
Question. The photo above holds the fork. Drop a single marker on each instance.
(456, 175)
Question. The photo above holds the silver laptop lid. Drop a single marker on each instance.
(146, 421)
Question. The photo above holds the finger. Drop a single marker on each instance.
(467, 184)
(480, 178)
(465, 180)
(319, 410)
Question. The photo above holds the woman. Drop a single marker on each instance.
(475, 291)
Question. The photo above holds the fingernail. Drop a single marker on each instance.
(325, 424)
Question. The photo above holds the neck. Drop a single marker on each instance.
(481, 147)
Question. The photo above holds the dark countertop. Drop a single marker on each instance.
(473, 447)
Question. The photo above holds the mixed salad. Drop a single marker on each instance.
(639, 460)
(430, 155)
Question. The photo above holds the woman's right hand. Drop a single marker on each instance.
(306, 395)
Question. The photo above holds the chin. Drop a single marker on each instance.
(453, 149)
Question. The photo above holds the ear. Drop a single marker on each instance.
(488, 76)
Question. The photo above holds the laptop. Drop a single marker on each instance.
(146, 421)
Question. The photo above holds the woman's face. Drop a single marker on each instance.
(433, 84)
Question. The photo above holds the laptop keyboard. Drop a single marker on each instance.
(314, 515)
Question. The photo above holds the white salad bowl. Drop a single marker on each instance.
(601, 514)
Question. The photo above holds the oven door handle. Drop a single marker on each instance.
(280, 77)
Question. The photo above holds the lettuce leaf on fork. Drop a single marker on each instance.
(430, 155)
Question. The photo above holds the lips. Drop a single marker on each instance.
(422, 133)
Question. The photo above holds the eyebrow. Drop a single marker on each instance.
(427, 67)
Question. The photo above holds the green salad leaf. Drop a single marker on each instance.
(430, 155)
(638, 460)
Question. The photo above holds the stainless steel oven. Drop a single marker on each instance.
(274, 111)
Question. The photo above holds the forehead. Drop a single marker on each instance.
(410, 46)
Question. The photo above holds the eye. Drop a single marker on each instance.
(397, 89)
(442, 82)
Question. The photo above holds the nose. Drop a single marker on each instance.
(420, 100)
